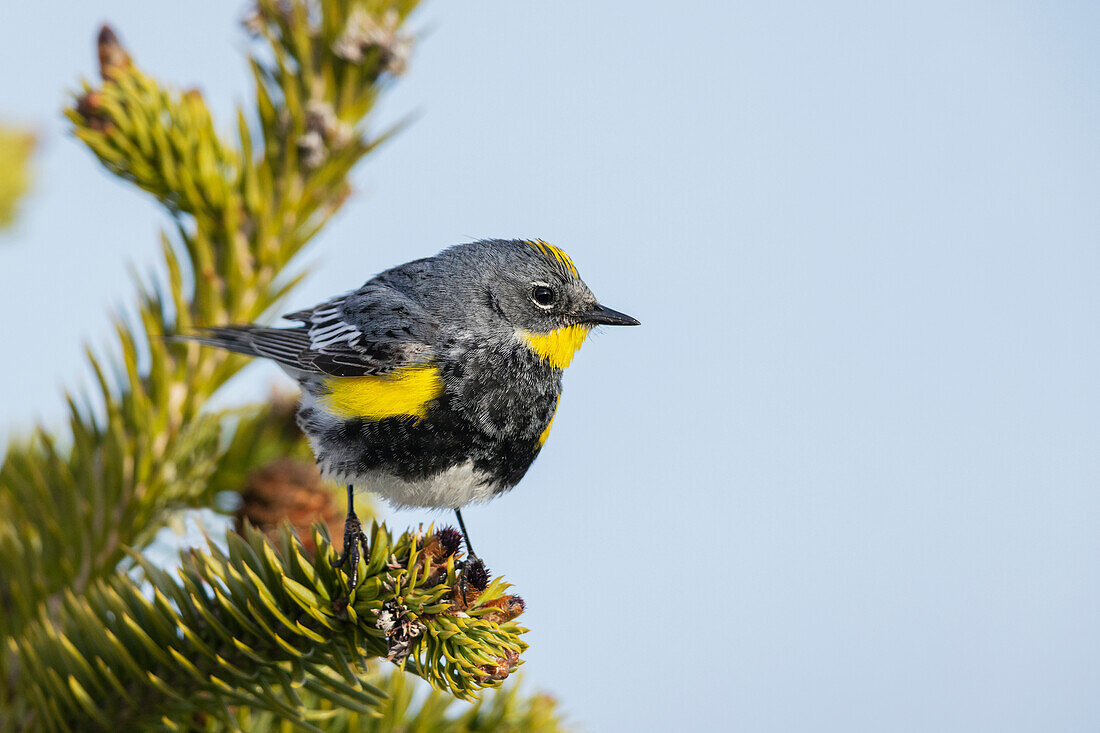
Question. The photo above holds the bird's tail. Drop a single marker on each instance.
(238, 339)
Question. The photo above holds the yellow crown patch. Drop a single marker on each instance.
(565, 262)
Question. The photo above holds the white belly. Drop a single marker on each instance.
(453, 489)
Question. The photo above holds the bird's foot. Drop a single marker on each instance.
(354, 539)
(474, 575)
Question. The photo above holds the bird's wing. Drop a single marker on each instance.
(373, 331)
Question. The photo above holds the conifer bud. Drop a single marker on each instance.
(113, 59)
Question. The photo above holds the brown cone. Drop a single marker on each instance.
(292, 490)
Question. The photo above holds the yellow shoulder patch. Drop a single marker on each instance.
(546, 431)
(405, 393)
(558, 346)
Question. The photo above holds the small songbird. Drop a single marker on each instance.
(434, 384)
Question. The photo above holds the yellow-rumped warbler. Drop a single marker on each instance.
(434, 384)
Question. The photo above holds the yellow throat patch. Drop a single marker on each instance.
(405, 393)
(558, 346)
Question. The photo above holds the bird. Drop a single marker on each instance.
(436, 383)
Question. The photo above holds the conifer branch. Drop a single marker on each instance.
(143, 449)
(504, 711)
(254, 625)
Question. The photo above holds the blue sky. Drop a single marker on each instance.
(845, 475)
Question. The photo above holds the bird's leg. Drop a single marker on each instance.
(354, 538)
(466, 536)
(471, 555)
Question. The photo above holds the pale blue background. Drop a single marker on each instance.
(845, 477)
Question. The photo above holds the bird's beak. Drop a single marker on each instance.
(603, 316)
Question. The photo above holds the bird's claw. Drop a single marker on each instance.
(472, 564)
(354, 538)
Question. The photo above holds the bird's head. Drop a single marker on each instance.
(534, 289)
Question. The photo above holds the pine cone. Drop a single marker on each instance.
(292, 490)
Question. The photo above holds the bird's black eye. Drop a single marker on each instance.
(543, 296)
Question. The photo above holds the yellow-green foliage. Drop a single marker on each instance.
(15, 152)
(405, 709)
